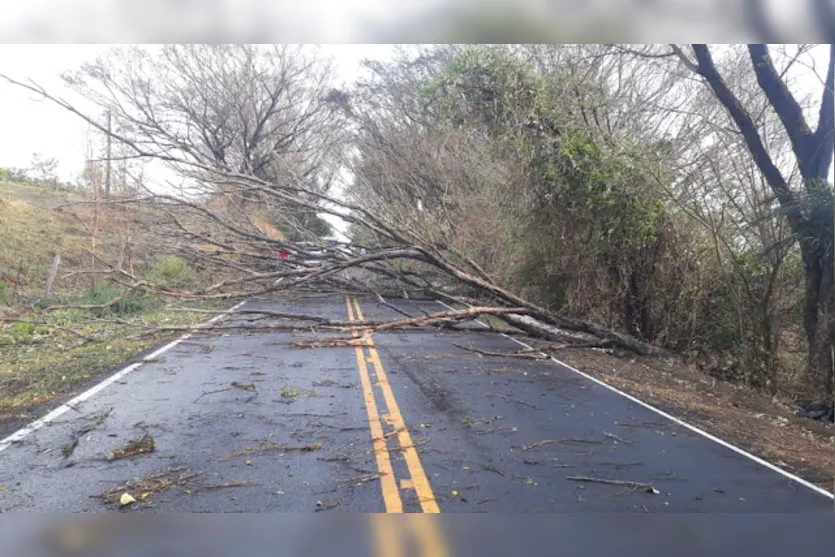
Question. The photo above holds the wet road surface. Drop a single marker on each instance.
(408, 421)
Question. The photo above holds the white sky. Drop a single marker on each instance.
(29, 125)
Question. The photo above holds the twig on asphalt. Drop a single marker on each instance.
(639, 485)
(619, 465)
(241, 483)
(517, 401)
(359, 480)
(245, 386)
(211, 393)
(68, 449)
(494, 469)
(414, 444)
(555, 441)
(616, 438)
(527, 355)
(266, 446)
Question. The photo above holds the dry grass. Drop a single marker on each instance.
(33, 231)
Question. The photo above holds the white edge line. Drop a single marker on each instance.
(20, 434)
(672, 418)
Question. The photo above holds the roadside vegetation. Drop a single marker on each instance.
(652, 201)
(609, 183)
(49, 354)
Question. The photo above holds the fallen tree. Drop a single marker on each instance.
(257, 151)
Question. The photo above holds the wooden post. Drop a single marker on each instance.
(109, 155)
(53, 272)
(120, 263)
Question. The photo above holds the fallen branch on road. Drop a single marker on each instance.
(555, 441)
(520, 354)
(648, 487)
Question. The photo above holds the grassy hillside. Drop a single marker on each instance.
(47, 355)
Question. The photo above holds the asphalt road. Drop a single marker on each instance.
(408, 422)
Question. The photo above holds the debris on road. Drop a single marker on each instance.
(496, 470)
(100, 418)
(136, 492)
(647, 487)
(336, 342)
(364, 479)
(267, 446)
(143, 445)
(616, 438)
(517, 401)
(555, 441)
(527, 353)
(240, 483)
(155, 483)
(235, 384)
(320, 506)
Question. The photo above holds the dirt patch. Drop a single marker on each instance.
(748, 419)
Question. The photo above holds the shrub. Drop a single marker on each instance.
(99, 294)
(68, 316)
(171, 271)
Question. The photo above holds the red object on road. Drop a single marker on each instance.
(283, 254)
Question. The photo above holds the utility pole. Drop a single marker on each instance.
(107, 167)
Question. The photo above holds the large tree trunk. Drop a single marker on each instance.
(819, 314)
(810, 211)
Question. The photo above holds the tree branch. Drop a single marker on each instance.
(784, 104)
(825, 132)
(707, 69)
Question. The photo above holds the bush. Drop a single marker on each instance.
(98, 294)
(22, 332)
(68, 316)
(171, 271)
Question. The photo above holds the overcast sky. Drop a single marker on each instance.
(29, 125)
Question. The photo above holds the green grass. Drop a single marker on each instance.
(44, 356)
(40, 361)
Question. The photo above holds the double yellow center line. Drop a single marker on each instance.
(392, 417)
(425, 529)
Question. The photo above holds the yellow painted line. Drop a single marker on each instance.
(410, 454)
(388, 483)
